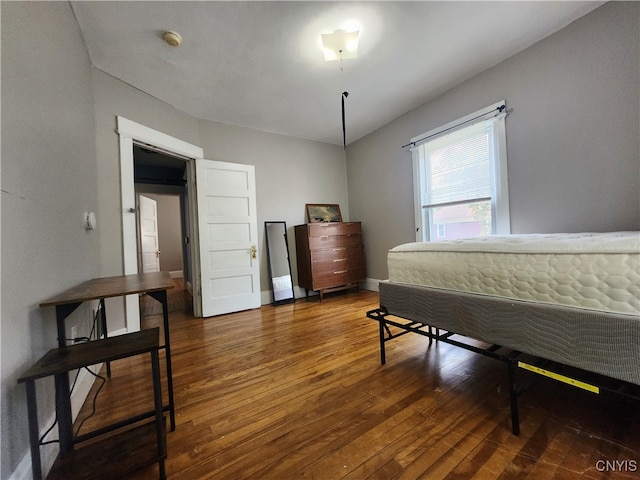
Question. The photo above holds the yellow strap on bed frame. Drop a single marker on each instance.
(560, 378)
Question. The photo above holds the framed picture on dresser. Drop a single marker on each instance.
(322, 212)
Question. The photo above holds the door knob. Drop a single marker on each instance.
(254, 252)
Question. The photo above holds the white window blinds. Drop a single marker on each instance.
(458, 167)
(460, 178)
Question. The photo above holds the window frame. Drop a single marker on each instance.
(500, 192)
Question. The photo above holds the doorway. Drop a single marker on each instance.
(134, 134)
(221, 211)
(163, 222)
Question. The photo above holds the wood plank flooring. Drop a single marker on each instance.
(298, 391)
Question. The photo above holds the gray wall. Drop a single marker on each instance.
(290, 172)
(49, 178)
(572, 137)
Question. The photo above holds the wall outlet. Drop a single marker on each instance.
(74, 335)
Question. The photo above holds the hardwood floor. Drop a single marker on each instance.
(298, 391)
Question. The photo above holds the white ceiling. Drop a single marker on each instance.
(260, 65)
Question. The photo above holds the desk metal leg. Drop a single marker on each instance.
(383, 357)
(34, 434)
(63, 392)
(103, 325)
(161, 296)
(157, 396)
(63, 412)
(62, 312)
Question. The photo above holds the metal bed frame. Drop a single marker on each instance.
(513, 359)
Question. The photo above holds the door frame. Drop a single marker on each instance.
(130, 132)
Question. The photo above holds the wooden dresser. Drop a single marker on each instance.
(330, 256)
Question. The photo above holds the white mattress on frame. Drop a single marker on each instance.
(597, 271)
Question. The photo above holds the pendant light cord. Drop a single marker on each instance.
(344, 95)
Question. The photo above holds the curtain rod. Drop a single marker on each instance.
(500, 109)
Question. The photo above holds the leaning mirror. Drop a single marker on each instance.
(278, 260)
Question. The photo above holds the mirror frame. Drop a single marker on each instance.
(292, 298)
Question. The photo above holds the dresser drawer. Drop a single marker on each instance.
(337, 228)
(329, 280)
(337, 278)
(332, 241)
(332, 260)
(337, 264)
(336, 253)
(322, 268)
(357, 274)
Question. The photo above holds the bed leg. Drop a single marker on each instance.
(383, 358)
(513, 397)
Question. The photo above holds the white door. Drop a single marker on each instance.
(228, 237)
(149, 246)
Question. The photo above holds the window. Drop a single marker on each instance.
(460, 178)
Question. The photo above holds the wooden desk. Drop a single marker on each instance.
(97, 460)
(154, 284)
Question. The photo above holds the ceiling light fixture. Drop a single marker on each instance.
(340, 45)
(172, 38)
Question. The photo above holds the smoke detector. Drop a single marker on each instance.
(172, 38)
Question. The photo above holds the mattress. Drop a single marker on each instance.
(593, 271)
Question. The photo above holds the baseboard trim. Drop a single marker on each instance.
(370, 284)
